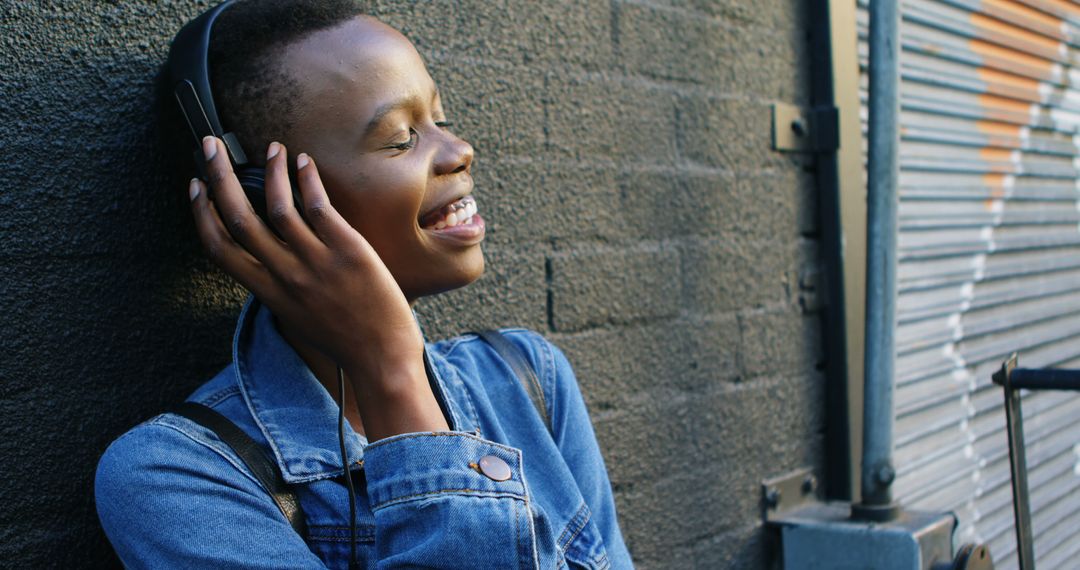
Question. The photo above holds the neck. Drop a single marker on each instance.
(326, 372)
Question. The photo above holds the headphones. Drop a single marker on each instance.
(189, 74)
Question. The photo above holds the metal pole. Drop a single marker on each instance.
(882, 171)
(1014, 423)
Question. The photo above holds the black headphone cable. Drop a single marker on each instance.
(353, 564)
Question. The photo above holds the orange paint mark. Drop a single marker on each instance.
(1001, 83)
(1062, 5)
(1011, 57)
(995, 128)
(1011, 9)
(996, 182)
(995, 154)
(1002, 104)
(994, 76)
(994, 26)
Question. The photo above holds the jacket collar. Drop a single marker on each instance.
(291, 408)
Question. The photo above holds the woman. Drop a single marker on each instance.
(453, 466)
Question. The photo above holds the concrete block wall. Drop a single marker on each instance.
(637, 217)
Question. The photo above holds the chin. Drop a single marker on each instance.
(455, 276)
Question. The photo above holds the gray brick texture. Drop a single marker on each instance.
(636, 216)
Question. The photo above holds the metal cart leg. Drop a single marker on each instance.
(1018, 463)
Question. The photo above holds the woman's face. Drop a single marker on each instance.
(371, 119)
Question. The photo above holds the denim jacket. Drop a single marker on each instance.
(170, 494)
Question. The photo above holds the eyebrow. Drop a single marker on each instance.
(391, 107)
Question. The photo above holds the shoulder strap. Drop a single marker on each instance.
(265, 470)
(513, 356)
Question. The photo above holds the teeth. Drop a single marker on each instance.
(460, 212)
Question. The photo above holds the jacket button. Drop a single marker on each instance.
(496, 469)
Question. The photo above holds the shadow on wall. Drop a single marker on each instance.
(110, 311)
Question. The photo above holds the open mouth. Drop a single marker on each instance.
(456, 213)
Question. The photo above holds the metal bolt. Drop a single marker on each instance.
(798, 126)
(772, 497)
(809, 484)
(886, 475)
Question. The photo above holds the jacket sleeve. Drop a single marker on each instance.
(165, 502)
(435, 508)
(574, 436)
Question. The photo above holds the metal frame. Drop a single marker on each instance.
(842, 203)
(1012, 380)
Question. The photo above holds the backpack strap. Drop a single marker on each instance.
(265, 470)
(519, 364)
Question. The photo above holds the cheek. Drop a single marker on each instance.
(378, 200)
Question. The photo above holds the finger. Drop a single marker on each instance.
(223, 249)
(280, 206)
(328, 224)
(240, 220)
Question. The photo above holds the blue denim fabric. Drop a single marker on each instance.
(170, 494)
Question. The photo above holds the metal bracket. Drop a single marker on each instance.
(797, 129)
(788, 492)
(815, 534)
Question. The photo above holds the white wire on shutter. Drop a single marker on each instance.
(989, 262)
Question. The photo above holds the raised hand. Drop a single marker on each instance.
(324, 281)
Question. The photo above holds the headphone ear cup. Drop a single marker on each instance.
(253, 180)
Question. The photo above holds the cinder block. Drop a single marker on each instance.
(529, 201)
(497, 107)
(779, 342)
(590, 288)
(596, 118)
(687, 507)
(748, 206)
(511, 293)
(640, 442)
(620, 365)
(730, 56)
(669, 202)
(751, 546)
(732, 134)
(527, 33)
(747, 431)
(726, 274)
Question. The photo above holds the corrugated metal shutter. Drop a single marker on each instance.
(989, 261)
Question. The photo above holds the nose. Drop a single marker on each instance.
(455, 155)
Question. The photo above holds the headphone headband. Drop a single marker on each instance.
(189, 72)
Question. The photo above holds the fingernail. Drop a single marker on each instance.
(209, 147)
(272, 151)
(302, 161)
(194, 188)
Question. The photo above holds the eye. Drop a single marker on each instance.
(443, 124)
(406, 145)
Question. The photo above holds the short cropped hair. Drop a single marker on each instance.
(256, 99)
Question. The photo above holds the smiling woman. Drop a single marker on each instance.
(452, 466)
